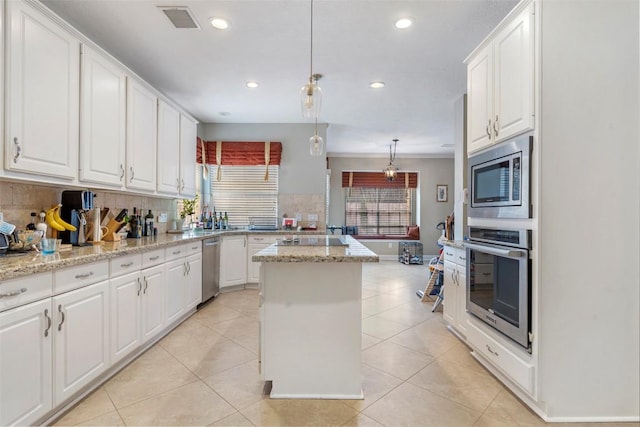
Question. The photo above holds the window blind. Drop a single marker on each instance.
(242, 192)
(380, 211)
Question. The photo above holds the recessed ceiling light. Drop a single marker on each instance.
(403, 23)
(219, 23)
(252, 85)
(376, 85)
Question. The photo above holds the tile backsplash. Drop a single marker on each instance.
(303, 204)
(18, 200)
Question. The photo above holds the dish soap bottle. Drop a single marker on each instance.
(42, 225)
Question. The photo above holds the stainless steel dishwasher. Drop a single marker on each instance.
(210, 268)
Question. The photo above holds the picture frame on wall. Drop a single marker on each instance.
(442, 192)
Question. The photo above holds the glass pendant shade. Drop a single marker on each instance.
(390, 172)
(311, 100)
(316, 145)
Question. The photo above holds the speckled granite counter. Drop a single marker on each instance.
(354, 252)
(459, 244)
(33, 262)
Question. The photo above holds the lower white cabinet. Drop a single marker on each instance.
(194, 280)
(255, 245)
(455, 289)
(183, 280)
(175, 295)
(26, 337)
(233, 261)
(81, 340)
(152, 295)
(125, 315)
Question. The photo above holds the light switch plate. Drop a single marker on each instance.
(299, 217)
(162, 217)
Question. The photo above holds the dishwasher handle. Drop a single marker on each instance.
(211, 242)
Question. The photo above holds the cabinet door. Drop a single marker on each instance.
(479, 101)
(461, 301)
(194, 280)
(25, 363)
(153, 292)
(125, 315)
(175, 272)
(450, 294)
(142, 135)
(253, 268)
(233, 261)
(102, 120)
(42, 90)
(513, 75)
(81, 340)
(168, 149)
(188, 140)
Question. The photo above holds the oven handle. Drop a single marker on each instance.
(514, 253)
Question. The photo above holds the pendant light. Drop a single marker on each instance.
(391, 171)
(311, 94)
(316, 143)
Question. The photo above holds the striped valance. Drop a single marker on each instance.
(378, 180)
(239, 153)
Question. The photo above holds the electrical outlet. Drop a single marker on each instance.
(312, 217)
(299, 217)
(390, 245)
(162, 217)
(1, 216)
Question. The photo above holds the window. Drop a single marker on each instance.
(242, 192)
(380, 211)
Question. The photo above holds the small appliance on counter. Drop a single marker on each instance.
(76, 205)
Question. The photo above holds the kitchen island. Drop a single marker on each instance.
(311, 317)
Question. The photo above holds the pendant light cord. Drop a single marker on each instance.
(311, 49)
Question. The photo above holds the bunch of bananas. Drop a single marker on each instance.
(53, 219)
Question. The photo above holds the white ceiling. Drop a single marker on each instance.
(355, 42)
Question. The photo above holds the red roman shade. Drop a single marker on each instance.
(378, 180)
(239, 153)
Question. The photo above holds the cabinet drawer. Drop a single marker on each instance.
(151, 258)
(175, 252)
(194, 247)
(461, 256)
(518, 370)
(483, 273)
(449, 254)
(125, 264)
(23, 290)
(79, 276)
(262, 239)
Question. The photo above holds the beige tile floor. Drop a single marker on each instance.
(415, 373)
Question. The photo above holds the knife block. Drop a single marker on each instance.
(112, 231)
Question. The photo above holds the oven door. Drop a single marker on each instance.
(498, 290)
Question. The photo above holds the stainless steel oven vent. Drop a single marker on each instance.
(180, 16)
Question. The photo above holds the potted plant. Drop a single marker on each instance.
(188, 209)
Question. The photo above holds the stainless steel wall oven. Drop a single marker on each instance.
(499, 280)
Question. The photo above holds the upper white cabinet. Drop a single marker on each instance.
(168, 149)
(188, 140)
(141, 137)
(42, 94)
(102, 120)
(500, 84)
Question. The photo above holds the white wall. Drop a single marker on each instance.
(431, 172)
(460, 142)
(300, 173)
(589, 226)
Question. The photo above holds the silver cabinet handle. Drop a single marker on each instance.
(488, 129)
(495, 353)
(127, 265)
(495, 126)
(182, 187)
(84, 276)
(195, 248)
(146, 285)
(18, 149)
(121, 172)
(178, 184)
(139, 286)
(46, 315)
(14, 293)
(153, 258)
(61, 317)
(131, 170)
(176, 252)
(188, 267)
(184, 269)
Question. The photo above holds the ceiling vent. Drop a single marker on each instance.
(180, 16)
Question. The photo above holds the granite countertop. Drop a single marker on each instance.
(459, 244)
(354, 252)
(34, 262)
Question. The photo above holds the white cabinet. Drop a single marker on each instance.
(141, 137)
(152, 302)
(500, 85)
(233, 261)
(188, 140)
(194, 280)
(26, 336)
(42, 94)
(176, 152)
(255, 245)
(175, 294)
(184, 280)
(125, 315)
(168, 149)
(81, 322)
(102, 120)
(455, 290)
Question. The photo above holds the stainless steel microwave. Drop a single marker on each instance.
(500, 180)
